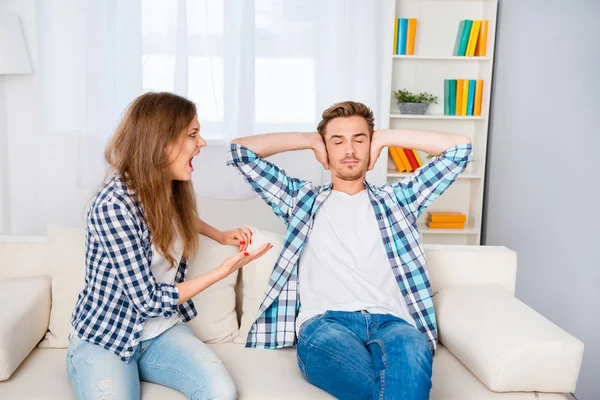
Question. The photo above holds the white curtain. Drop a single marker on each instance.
(251, 66)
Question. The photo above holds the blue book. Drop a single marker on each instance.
(402, 32)
(471, 98)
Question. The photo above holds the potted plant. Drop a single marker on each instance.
(414, 103)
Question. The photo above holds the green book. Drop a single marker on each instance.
(452, 97)
(446, 96)
(462, 37)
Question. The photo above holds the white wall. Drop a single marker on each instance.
(543, 181)
(41, 170)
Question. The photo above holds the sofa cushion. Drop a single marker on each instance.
(505, 343)
(217, 319)
(68, 278)
(24, 312)
(259, 375)
(255, 279)
(452, 266)
(24, 256)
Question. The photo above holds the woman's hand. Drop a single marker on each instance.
(241, 237)
(233, 263)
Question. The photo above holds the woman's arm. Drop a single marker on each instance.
(192, 287)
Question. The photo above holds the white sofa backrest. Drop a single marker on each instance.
(22, 256)
(449, 266)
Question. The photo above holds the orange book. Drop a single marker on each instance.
(480, 49)
(465, 96)
(473, 38)
(410, 36)
(459, 96)
(445, 225)
(478, 94)
(405, 160)
(446, 217)
(397, 160)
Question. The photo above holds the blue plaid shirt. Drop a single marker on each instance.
(397, 207)
(120, 291)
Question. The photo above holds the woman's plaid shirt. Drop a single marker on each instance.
(120, 291)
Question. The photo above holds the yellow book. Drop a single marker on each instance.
(473, 38)
(411, 34)
(480, 49)
(397, 160)
(465, 97)
(395, 36)
(417, 158)
(405, 161)
(478, 94)
(459, 96)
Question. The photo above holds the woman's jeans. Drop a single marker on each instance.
(358, 355)
(176, 359)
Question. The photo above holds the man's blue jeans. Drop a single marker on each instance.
(358, 355)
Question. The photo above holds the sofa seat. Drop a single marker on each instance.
(43, 376)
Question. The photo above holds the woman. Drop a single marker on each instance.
(142, 225)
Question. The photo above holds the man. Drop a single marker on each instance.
(351, 281)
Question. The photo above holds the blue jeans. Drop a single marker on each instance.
(176, 358)
(358, 355)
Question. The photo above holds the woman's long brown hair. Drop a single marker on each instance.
(138, 152)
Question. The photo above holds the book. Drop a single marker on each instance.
(411, 159)
(404, 159)
(452, 96)
(478, 95)
(446, 216)
(481, 48)
(473, 38)
(395, 51)
(462, 37)
(397, 160)
(445, 225)
(411, 36)
(402, 31)
(447, 96)
(465, 96)
(471, 98)
(417, 158)
(459, 96)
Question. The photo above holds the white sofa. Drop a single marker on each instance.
(492, 346)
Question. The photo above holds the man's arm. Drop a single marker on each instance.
(452, 154)
(276, 188)
(270, 144)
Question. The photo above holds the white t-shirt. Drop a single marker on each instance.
(344, 265)
(163, 273)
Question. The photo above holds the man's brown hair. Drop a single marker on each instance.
(346, 109)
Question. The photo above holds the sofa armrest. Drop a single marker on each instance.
(25, 313)
(505, 343)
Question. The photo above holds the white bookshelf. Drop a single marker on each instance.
(425, 72)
